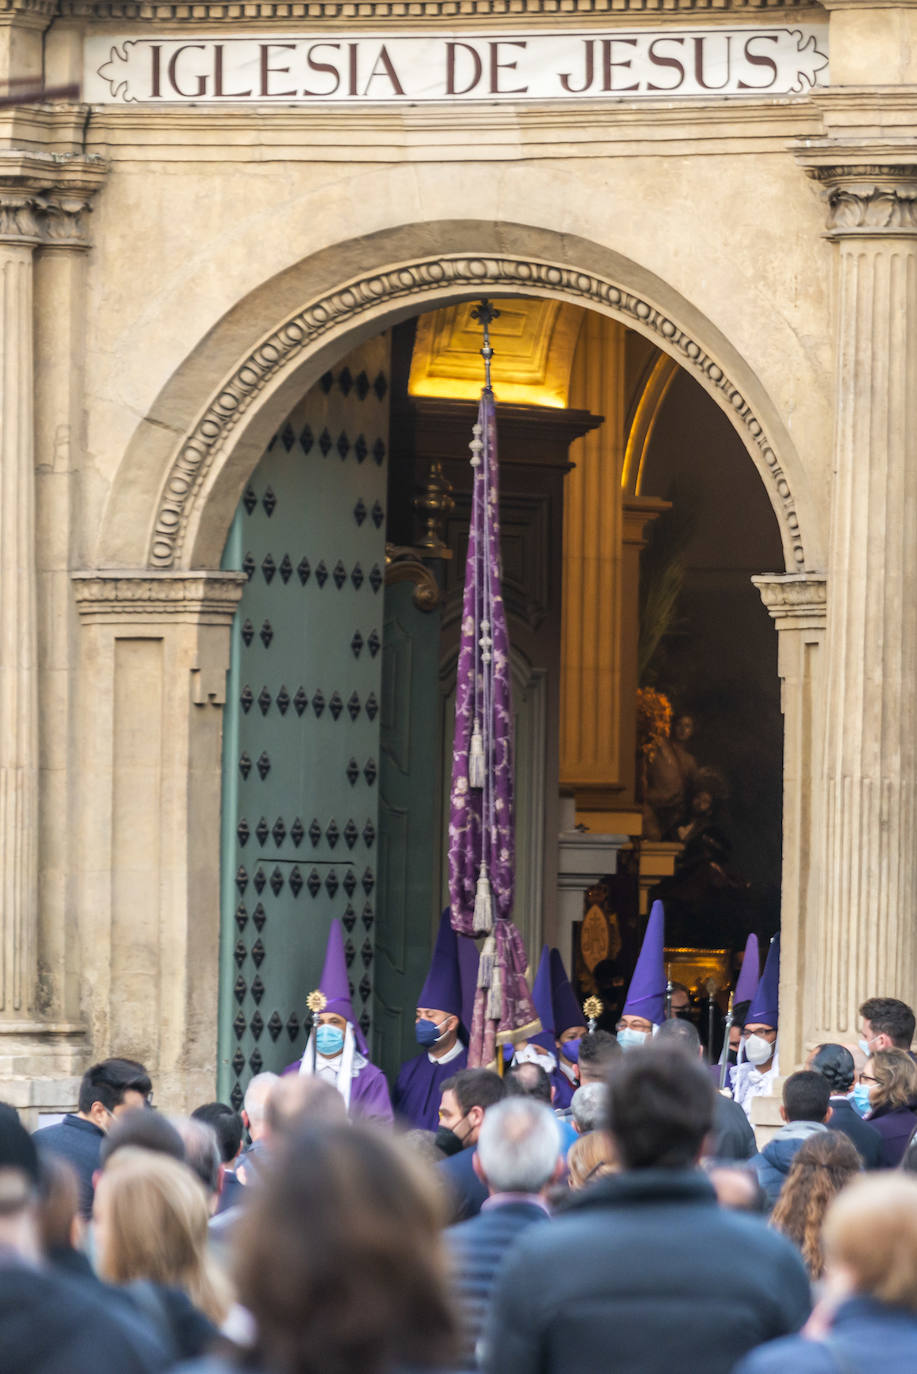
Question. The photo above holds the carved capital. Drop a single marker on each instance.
(795, 601)
(199, 598)
(869, 199)
(45, 198)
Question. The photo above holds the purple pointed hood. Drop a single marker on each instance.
(766, 1001)
(646, 994)
(335, 984)
(567, 1011)
(541, 997)
(749, 973)
(443, 988)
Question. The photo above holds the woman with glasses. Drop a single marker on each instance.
(888, 1086)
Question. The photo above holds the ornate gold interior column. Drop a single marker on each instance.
(797, 604)
(867, 938)
(591, 763)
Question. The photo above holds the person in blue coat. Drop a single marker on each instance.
(868, 1322)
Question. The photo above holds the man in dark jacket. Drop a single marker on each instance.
(107, 1090)
(518, 1158)
(466, 1097)
(806, 1112)
(644, 1266)
(836, 1066)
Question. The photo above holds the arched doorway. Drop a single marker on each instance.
(333, 703)
(240, 383)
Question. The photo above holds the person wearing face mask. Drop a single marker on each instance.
(440, 1033)
(337, 1050)
(464, 1103)
(542, 1048)
(644, 1006)
(758, 1065)
(569, 1028)
(745, 988)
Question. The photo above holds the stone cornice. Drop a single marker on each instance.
(203, 598)
(869, 193)
(45, 197)
(795, 601)
(365, 13)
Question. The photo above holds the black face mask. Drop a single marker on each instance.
(447, 1141)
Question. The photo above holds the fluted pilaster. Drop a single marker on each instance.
(43, 201)
(18, 638)
(867, 936)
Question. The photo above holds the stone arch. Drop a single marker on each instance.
(203, 474)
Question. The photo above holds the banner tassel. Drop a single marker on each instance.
(476, 758)
(483, 904)
(486, 962)
(494, 1010)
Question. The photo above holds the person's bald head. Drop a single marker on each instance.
(302, 1098)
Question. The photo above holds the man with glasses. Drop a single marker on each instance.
(107, 1091)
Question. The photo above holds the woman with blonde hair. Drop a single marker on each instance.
(150, 1221)
(889, 1079)
(822, 1166)
(590, 1158)
(868, 1321)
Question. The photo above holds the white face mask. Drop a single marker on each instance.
(758, 1050)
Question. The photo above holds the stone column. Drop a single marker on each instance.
(797, 602)
(19, 233)
(867, 934)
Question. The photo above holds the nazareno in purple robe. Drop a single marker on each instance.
(418, 1089)
(369, 1095)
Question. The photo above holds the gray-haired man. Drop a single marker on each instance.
(518, 1157)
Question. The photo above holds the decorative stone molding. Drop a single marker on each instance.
(45, 198)
(206, 598)
(869, 198)
(175, 12)
(487, 275)
(794, 600)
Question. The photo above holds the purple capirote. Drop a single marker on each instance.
(646, 994)
(765, 1004)
(749, 973)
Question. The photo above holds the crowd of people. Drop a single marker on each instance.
(630, 1224)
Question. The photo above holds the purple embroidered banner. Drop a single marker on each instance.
(481, 816)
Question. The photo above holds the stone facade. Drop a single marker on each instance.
(175, 275)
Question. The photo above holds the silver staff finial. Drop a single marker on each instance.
(485, 314)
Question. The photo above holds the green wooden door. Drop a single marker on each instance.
(409, 781)
(301, 755)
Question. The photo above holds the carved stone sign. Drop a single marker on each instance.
(410, 68)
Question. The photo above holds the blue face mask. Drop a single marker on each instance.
(570, 1050)
(329, 1040)
(427, 1032)
(860, 1099)
(632, 1039)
